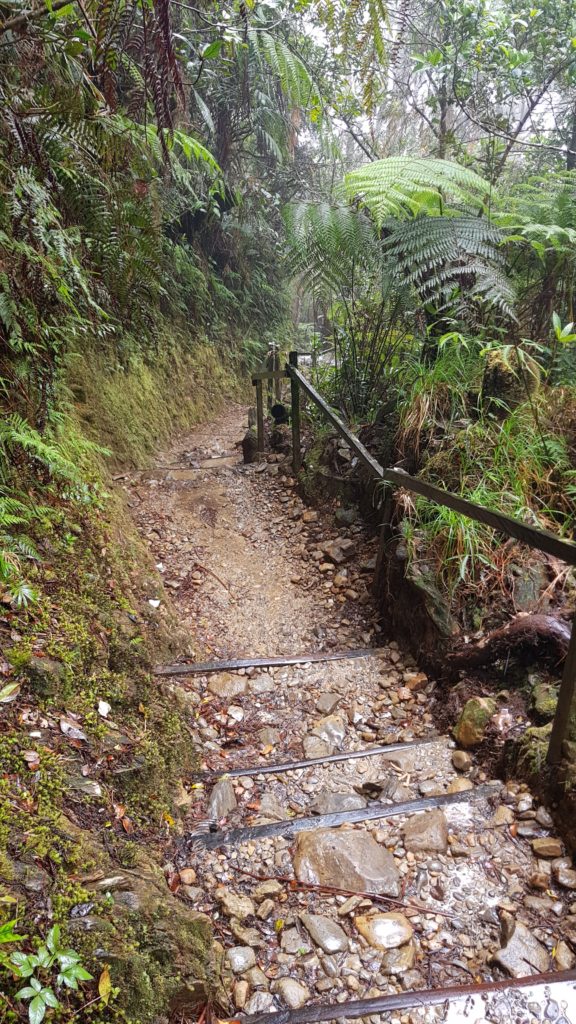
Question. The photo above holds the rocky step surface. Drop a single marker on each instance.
(475, 891)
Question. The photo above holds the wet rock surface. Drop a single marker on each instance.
(478, 889)
(345, 860)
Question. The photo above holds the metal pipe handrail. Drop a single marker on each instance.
(534, 537)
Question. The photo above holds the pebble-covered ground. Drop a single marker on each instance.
(475, 890)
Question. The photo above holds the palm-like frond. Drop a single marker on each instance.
(437, 255)
(403, 186)
(294, 77)
(329, 244)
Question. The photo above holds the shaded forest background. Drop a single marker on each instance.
(184, 186)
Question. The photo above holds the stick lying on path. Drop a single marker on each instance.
(334, 890)
(314, 1013)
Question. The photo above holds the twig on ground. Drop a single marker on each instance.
(294, 885)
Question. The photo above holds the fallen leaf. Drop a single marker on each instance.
(187, 876)
(278, 924)
(71, 729)
(173, 880)
(119, 810)
(105, 985)
(167, 818)
(267, 749)
(32, 758)
(9, 693)
(127, 825)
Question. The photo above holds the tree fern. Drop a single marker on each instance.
(539, 216)
(439, 255)
(328, 244)
(403, 186)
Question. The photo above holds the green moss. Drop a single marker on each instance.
(133, 409)
(88, 641)
(544, 700)
(532, 749)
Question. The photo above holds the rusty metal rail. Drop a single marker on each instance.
(421, 998)
(201, 668)
(312, 762)
(291, 826)
(538, 539)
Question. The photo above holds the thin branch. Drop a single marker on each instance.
(21, 20)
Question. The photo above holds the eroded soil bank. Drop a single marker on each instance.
(478, 888)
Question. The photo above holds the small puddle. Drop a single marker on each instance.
(182, 474)
(542, 1004)
(216, 462)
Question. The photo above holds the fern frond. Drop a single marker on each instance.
(328, 244)
(403, 186)
(437, 255)
(294, 78)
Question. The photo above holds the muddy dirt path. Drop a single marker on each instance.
(475, 887)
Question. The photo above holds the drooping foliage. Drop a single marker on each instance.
(399, 186)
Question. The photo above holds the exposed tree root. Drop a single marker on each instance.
(521, 633)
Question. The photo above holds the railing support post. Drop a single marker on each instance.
(385, 533)
(566, 698)
(295, 396)
(277, 380)
(260, 415)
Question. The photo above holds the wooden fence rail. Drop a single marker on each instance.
(534, 537)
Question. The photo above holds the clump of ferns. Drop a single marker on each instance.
(15, 547)
(24, 452)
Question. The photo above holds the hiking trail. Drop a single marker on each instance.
(473, 887)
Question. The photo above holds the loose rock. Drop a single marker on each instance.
(330, 803)
(227, 686)
(400, 960)
(241, 958)
(521, 952)
(347, 860)
(328, 703)
(331, 729)
(233, 904)
(325, 933)
(292, 993)
(427, 831)
(474, 718)
(222, 800)
(385, 931)
(547, 847)
(461, 761)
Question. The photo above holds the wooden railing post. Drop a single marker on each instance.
(295, 396)
(277, 380)
(385, 533)
(260, 415)
(566, 697)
